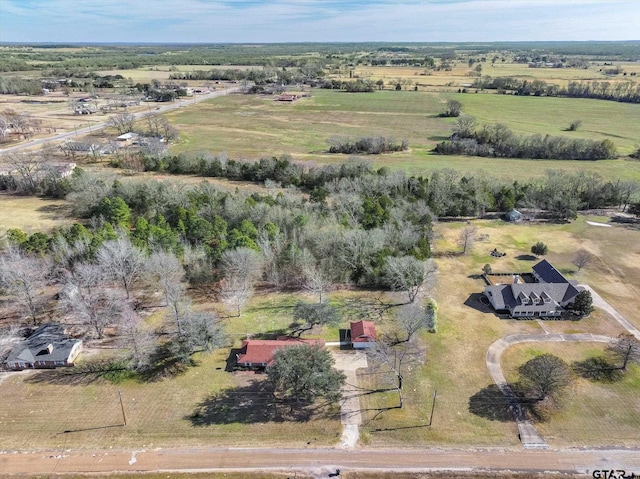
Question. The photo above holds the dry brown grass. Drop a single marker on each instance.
(456, 365)
(32, 214)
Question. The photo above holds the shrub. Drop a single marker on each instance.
(539, 249)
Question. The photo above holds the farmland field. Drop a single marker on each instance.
(256, 126)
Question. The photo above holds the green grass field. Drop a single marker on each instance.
(254, 126)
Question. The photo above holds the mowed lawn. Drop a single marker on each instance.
(250, 127)
(591, 412)
(37, 407)
(455, 367)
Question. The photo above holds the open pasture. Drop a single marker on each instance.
(32, 214)
(469, 410)
(461, 74)
(256, 126)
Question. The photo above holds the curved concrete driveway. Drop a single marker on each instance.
(602, 304)
(528, 434)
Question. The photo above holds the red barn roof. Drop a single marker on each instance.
(363, 332)
(260, 352)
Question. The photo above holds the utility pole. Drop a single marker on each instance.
(124, 417)
(433, 406)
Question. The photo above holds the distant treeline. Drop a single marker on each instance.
(446, 192)
(16, 57)
(499, 141)
(20, 86)
(622, 91)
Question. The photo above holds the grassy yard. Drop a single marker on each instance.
(455, 366)
(185, 409)
(32, 214)
(608, 413)
(254, 126)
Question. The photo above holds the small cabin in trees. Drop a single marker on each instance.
(363, 334)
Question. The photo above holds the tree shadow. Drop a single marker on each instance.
(490, 403)
(253, 403)
(598, 368)
(526, 257)
(479, 302)
(272, 334)
(367, 309)
(83, 374)
(164, 364)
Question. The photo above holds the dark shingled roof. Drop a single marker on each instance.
(47, 343)
(548, 273)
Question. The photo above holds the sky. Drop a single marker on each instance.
(261, 21)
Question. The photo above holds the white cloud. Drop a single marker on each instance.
(317, 20)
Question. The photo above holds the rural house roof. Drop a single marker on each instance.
(513, 215)
(363, 331)
(262, 351)
(552, 291)
(547, 273)
(47, 343)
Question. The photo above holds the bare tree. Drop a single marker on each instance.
(467, 238)
(464, 127)
(164, 269)
(8, 337)
(121, 261)
(242, 267)
(407, 274)
(135, 338)
(626, 349)
(24, 278)
(411, 318)
(395, 360)
(28, 170)
(317, 278)
(86, 298)
(582, 259)
(122, 122)
(202, 332)
(235, 292)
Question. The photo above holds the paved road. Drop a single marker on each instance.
(89, 129)
(318, 462)
(530, 438)
(602, 304)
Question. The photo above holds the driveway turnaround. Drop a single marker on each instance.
(528, 435)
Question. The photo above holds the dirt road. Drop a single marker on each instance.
(318, 462)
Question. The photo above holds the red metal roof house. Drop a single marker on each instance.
(259, 353)
(363, 334)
